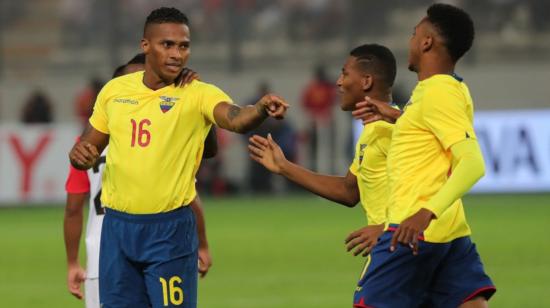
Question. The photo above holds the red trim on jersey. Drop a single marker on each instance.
(479, 291)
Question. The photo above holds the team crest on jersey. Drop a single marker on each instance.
(361, 152)
(166, 103)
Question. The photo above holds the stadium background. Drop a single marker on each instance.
(280, 248)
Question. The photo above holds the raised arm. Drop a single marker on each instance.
(86, 151)
(243, 119)
(340, 189)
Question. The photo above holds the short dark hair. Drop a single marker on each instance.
(455, 26)
(378, 60)
(166, 15)
(137, 59)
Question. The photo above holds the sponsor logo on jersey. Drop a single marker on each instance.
(166, 103)
(126, 101)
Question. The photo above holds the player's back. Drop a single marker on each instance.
(419, 160)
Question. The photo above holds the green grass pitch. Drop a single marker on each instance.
(286, 252)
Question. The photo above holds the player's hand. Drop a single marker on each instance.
(186, 76)
(83, 155)
(75, 277)
(371, 110)
(410, 229)
(364, 239)
(267, 152)
(274, 106)
(205, 261)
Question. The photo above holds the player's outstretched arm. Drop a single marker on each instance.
(340, 189)
(72, 230)
(371, 110)
(243, 119)
(86, 151)
(205, 259)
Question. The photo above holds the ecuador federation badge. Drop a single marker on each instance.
(166, 103)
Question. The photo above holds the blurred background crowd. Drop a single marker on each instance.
(55, 55)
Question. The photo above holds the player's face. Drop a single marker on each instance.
(415, 47)
(167, 49)
(350, 85)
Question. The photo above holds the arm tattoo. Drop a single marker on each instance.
(233, 112)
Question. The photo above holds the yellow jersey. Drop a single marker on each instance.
(369, 166)
(155, 142)
(438, 115)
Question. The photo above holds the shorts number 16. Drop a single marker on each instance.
(171, 291)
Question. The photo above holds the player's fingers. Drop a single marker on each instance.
(74, 289)
(93, 150)
(351, 236)
(360, 248)
(393, 243)
(256, 159)
(367, 250)
(414, 244)
(79, 158)
(356, 241)
(257, 144)
(277, 100)
(254, 150)
(402, 235)
(359, 112)
(84, 152)
(260, 140)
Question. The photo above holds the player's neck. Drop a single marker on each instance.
(435, 66)
(153, 81)
(382, 96)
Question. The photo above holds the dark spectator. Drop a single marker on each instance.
(37, 109)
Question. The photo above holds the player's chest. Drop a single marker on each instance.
(156, 112)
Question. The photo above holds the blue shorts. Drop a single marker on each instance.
(441, 275)
(148, 260)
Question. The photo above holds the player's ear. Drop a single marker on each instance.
(145, 45)
(427, 43)
(366, 82)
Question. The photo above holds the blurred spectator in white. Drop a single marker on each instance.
(37, 109)
(318, 100)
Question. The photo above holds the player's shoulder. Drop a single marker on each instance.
(124, 82)
(199, 85)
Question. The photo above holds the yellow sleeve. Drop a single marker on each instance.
(354, 167)
(469, 168)
(447, 115)
(211, 97)
(99, 118)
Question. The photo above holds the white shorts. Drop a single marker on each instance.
(91, 292)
